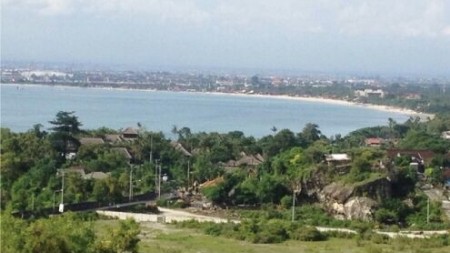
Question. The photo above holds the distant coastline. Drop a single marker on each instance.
(337, 102)
(404, 111)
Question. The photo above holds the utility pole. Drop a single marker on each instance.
(130, 195)
(61, 205)
(151, 148)
(156, 173)
(159, 182)
(188, 174)
(295, 189)
(293, 206)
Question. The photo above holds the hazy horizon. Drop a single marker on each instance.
(366, 37)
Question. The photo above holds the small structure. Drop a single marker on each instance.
(177, 146)
(337, 158)
(374, 142)
(124, 152)
(446, 177)
(112, 138)
(81, 170)
(96, 175)
(423, 155)
(249, 161)
(91, 141)
(369, 93)
(129, 133)
(418, 158)
(445, 135)
(78, 169)
(339, 162)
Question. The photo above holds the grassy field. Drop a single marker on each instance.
(168, 239)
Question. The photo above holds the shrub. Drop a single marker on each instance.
(373, 249)
(213, 229)
(379, 239)
(277, 230)
(308, 233)
(286, 202)
(338, 234)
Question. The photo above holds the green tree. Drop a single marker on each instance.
(125, 238)
(65, 129)
(309, 134)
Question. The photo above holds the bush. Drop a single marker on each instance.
(308, 233)
(213, 229)
(384, 215)
(373, 249)
(379, 239)
(286, 202)
(337, 234)
(277, 230)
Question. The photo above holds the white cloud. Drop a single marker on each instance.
(415, 18)
(394, 18)
(42, 7)
(446, 31)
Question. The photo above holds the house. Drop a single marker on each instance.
(177, 146)
(339, 162)
(112, 138)
(374, 142)
(88, 141)
(337, 158)
(75, 169)
(423, 155)
(245, 160)
(446, 177)
(124, 152)
(445, 135)
(249, 160)
(96, 175)
(129, 133)
(71, 150)
(418, 158)
(78, 169)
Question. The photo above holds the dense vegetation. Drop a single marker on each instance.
(66, 233)
(30, 162)
(242, 171)
(431, 98)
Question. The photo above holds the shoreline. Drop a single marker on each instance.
(384, 108)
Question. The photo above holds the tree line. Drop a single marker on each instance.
(31, 162)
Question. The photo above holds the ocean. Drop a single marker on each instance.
(25, 105)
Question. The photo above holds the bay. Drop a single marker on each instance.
(25, 105)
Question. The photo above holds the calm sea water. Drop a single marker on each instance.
(161, 110)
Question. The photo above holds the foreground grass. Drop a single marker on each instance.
(168, 239)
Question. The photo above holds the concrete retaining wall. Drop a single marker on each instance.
(166, 215)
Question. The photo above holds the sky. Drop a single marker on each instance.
(366, 36)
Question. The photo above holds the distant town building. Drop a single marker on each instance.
(369, 93)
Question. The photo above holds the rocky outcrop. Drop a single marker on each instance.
(354, 201)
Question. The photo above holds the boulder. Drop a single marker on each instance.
(354, 201)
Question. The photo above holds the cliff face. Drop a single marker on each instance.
(357, 201)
